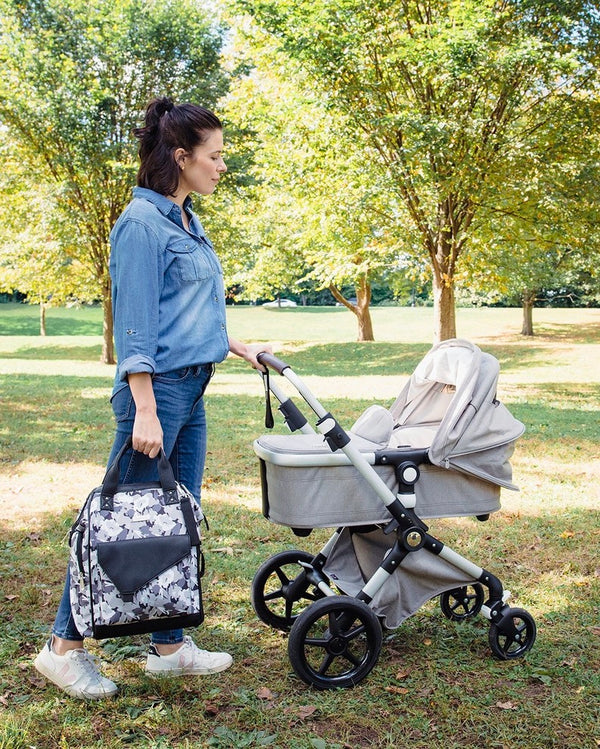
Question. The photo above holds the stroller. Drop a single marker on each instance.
(441, 450)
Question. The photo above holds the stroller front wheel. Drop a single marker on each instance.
(281, 590)
(335, 642)
(513, 635)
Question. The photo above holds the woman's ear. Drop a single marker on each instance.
(179, 155)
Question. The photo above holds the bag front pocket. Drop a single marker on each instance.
(134, 563)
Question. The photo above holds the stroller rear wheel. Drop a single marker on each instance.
(335, 642)
(281, 590)
(513, 635)
(462, 603)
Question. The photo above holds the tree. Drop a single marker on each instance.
(541, 230)
(303, 154)
(451, 95)
(76, 79)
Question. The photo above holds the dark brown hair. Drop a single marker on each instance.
(167, 127)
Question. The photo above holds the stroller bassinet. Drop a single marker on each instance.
(441, 450)
(448, 405)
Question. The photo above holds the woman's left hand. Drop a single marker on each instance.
(249, 351)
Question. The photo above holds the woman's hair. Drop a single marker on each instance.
(167, 127)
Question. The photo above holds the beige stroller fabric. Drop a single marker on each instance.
(421, 576)
(452, 396)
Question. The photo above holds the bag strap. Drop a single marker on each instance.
(111, 478)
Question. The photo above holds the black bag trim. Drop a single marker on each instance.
(133, 563)
(142, 627)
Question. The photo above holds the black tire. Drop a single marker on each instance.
(462, 603)
(273, 599)
(335, 642)
(513, 635)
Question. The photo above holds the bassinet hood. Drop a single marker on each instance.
(457, 382)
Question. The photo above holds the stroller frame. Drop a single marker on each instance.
(335, 640)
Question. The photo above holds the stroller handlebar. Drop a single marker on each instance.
(268, 360)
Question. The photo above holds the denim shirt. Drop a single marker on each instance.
(167, 289)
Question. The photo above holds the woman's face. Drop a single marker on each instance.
(201, 170)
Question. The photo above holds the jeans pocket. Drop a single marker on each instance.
(122, 404)
(170, 378)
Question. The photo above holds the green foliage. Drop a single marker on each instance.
(452, 98)
(76, 79)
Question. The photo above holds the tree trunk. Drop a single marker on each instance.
(528, 300)
(361, 309)
(42, 318)
(365, 325)
(108, 347)
(443, 309)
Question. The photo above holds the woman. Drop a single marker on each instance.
(169, 328)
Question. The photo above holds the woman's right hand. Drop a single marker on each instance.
(147, 434)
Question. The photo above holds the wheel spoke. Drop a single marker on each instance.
(317, 642)
(356, 660)
(356, 632)
(282, 576)
(273, 595)
(325, 664)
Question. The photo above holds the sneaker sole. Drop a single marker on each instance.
(184, 672)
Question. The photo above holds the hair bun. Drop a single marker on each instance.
(164, 105)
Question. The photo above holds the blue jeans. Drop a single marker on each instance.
(180, 409)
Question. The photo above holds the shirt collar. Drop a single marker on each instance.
(164, 204)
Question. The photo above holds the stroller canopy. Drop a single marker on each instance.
(453, 392)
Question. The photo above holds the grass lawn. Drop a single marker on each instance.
(436, 684)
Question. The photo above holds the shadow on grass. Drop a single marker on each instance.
(54, 418)
(24, 320)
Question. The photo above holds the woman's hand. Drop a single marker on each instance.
(147, 434)
(249, 351)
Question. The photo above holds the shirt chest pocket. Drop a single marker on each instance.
(188, 262)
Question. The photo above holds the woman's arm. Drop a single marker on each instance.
(147, 435)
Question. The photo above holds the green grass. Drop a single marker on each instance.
(436, 683)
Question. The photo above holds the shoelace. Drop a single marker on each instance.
(88, 662)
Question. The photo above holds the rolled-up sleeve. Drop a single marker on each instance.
(136, 269)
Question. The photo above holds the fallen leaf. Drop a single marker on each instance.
(402, 675)
(264, 693)
(427, 642)
(211, 710)
(305, 711)
(11, 597)
(567, 534)
(506, 705)
(397, 690)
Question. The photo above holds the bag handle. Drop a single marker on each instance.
(111, 478)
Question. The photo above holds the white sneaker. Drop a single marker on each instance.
(75, 672)
(189, 659)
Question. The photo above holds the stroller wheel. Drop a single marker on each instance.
(462, 603)
(281, 590)
(513, 635)
(335, 642)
